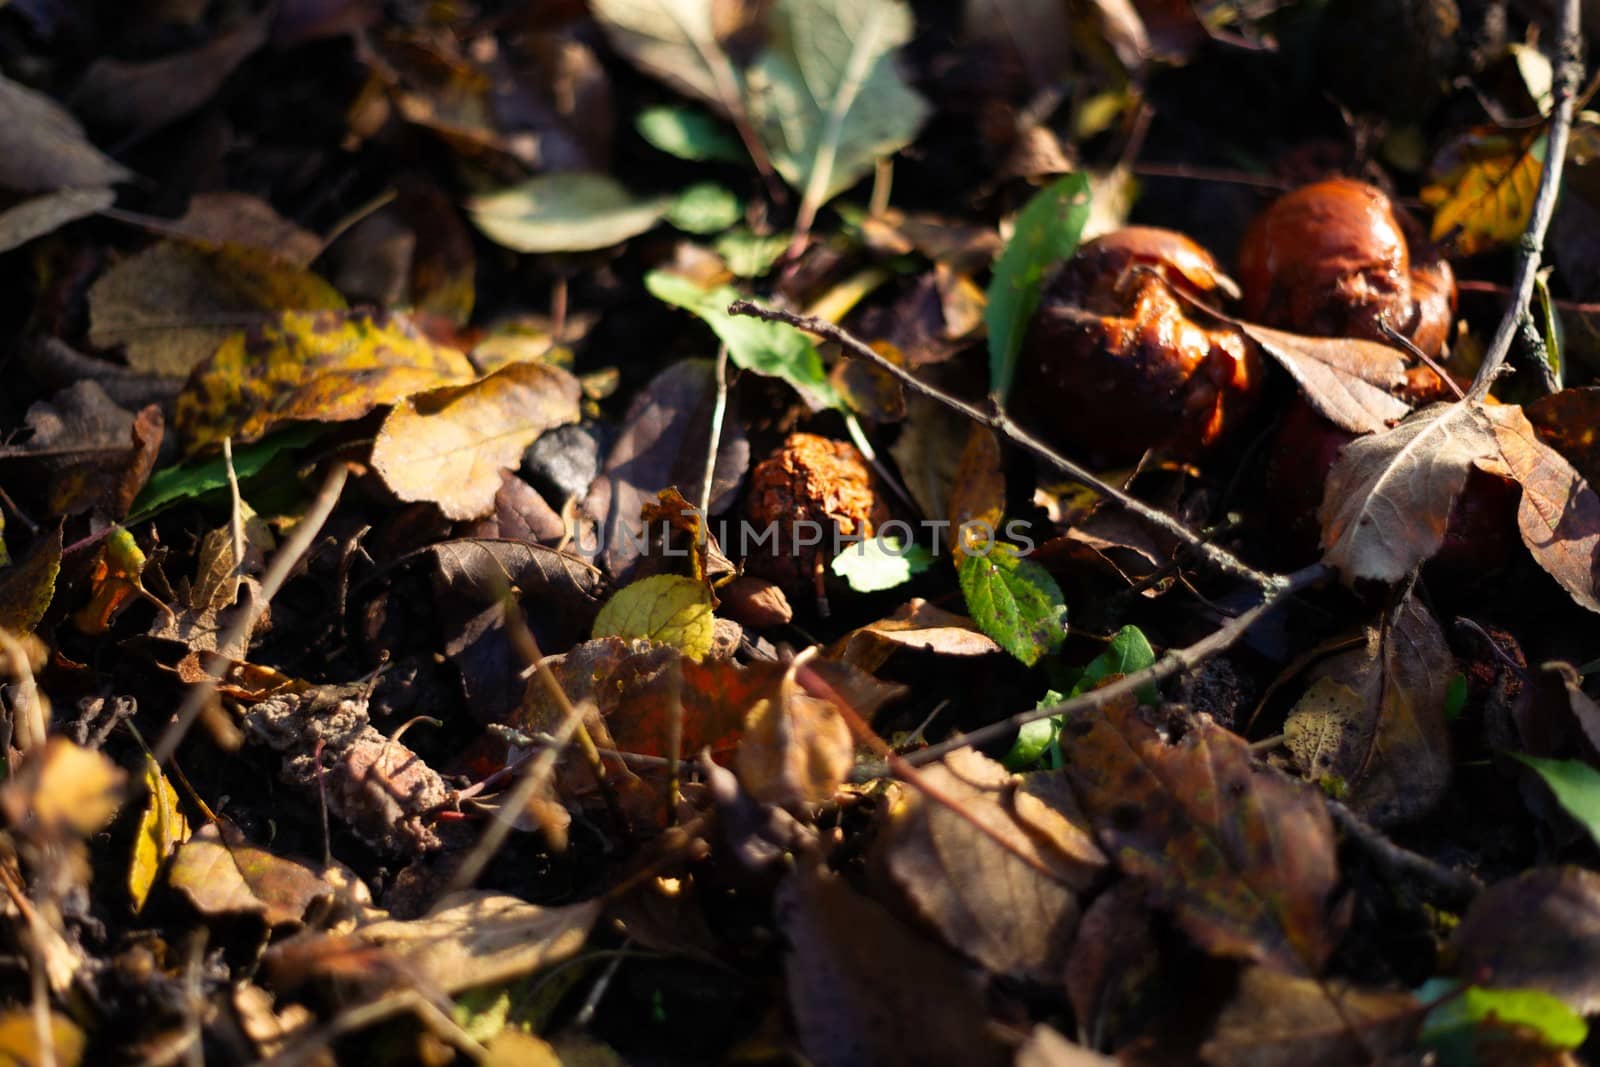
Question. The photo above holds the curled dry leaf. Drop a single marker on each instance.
(152, 93)
(1373, 719)
(865, 988)
(994, 885)
(94, 454)
(327, 366)
(49, 212)
(43, 148)
(1243, 856)
(1540, 930)
(978, 494)
(1348, 380)
(796, 749)
(916, 625)
(1280, 1020)
(223, 876)
(449, 446)
(173, 304)
(1389, 496)
(1566, 421)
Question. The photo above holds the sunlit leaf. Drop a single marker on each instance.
(162, 828)
(1015, 601)
(564, 212)
(1576, 786)
(878, 563)
(689, 133)
(705, 207)
(1483, 187)
(665, 608)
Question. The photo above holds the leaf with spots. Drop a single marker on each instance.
(326, 366)
(1015, 601)
(1242, 856)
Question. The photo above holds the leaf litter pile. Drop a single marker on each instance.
(806, 531)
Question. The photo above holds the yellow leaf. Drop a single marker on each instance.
(1483, 189)
(450, 446)
(77, 789)
(665, 608)
(978, 494)
(173, 304)
(161, 830)
(19, 1040)
(326, 366)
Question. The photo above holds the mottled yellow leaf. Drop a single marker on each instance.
(665, 608)
(327, 366)
(173, 304)
(162, 829)
(450, 446)
(1483, 188)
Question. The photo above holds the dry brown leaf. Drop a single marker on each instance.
(928, 452)
(864, 988)
(481, 938)
(91, 452)
(1373, 719)
(248, 221)
(978, 494)
(1559, 516)
(149, 94)
(1539, 930)
(451, 445)
(916, 625)
(1011, 906)
(19, 1040)
(1279, 1020)
(1566, 421)
(1242, 855)
(796, 749)
(1389, 496)
(1114, 957)
(1349, 381)
(173, 304)
(222, 877)
(43, 148)
(28, 585)
(48, 212)
(65, 790)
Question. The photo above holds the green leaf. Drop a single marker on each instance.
(689, 133)
(826, 96)
(1015, 601)
(705, 207)
(1549, 324)
(768, 348)
(1576, 786)
(1127, 652)
(748, 254)
(1046, 233)
(170, 485)
(1035, 740)
(1455, 696)
(880, 563)
(565, 212)
(665, 608)
(1452, 1028)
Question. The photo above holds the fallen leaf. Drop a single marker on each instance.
(1569, 422)
(564, 212)
(171, 485)
(1373, 719)
(664, 608)
(916, 625)
(1045, 235)
(1114, 958)
(1389, 496)
(1576, 787)
(481, 938)
(1046, 1047)
(92, 454)
(250, 222)
(47, 213)
(172, 305)
(1539, 930)
(1280, 1020)
(150, 94)
(1349, 381)
(928, 452)
(330, 366)
(43, 148)
(162, 828)
(1003, 894)
(978, 494)
(1015, 601)
(68, 789)
(878, 563)
(1559, 516)
(29, 584)
(796, 750)
(1244, 857)
(826, 97)
(1482, 188)
(19, 1040)
(1470, 1024)
(860, 984)
(229, 877)
(450, 446)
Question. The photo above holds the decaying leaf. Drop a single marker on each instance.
(230, 877)
(1483, 187)
(162, 828)
(29, 584)
(172, 305)
(49, 212)
(1280, 1020)
(329, 366)
(1373, 720)
(978, 494)
(1348, 380)
(450, 446)
(665, 608)
(796, 749)
(1389, 496)
(1243, 856)
(861, 984)
(155, 92)
(248, 221)
(43, 148)
(1539, 930)
(916, 625)
(95, 454)
(1566, 421)
(995, 886)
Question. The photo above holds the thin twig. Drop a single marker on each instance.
(1174, 662)
(236, 505)
(1569, 72)
(1001, 423)
(1397, 861)
(286, 559)
(719, 411)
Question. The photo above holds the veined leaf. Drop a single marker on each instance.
(1015, 601)
(1483, 189)
(665, 608)
(565, 212)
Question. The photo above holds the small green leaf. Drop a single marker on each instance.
(880, 563)
(769, 348)
(1035, 740)
(1576, 786)
(1452, 1028)
(748, 254)
(571, 211)
(1455, 697)
(170, 485)
(1129, 651)
(689, 133)
(1046, 233)
(1015, 601)
(705, 207)
(665, 608)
